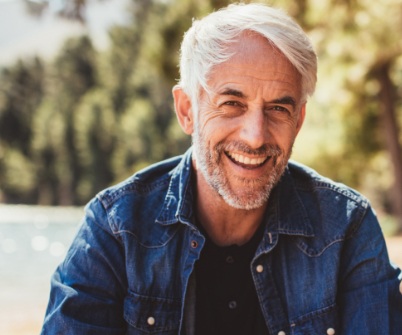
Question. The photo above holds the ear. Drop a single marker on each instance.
(183, 108)
(302, 115)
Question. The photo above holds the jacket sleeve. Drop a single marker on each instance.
(370, 294)
(88, 288)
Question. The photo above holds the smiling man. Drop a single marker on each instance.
(232, 237)
(243, 133)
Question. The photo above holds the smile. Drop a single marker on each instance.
(250, 162)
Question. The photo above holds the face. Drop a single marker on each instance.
(247, 122)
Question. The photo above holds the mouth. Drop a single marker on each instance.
(246, 161)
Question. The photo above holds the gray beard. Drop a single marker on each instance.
(257, 191)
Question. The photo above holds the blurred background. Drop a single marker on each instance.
(85, 101)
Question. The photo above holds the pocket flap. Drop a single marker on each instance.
(324, 321)
(151, 314)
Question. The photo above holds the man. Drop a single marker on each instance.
(231, 238)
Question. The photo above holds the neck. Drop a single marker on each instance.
(225, 225)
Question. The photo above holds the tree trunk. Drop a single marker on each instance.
(388, 97)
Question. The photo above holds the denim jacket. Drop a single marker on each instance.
(321, 267)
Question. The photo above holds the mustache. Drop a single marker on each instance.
(238, 146)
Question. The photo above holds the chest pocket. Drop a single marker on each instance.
(322, 322)
(150, 315)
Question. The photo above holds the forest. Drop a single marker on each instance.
(87, 119)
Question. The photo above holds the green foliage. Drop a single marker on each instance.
(17, 175)
(21, 92)
(94, 126)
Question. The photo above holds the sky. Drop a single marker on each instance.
(22, 35)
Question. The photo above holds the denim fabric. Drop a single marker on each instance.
(321, 264)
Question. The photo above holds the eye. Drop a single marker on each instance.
(233, 103)
(279, 109)
(232, 108)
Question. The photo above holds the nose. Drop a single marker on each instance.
(254, 131)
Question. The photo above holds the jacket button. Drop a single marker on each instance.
(281, 333)
(151, 321)
(260, 269)
(330, 331)
(232, 304)
(194, 244)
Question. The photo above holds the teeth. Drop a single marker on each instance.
(247, 160)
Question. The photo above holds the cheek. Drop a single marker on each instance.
(212, 125)
(210, 119)
(283, 135)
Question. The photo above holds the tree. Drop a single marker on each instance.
(95, 135)
(71, 76)
(22, 90)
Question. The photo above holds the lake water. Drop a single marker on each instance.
(33, 241)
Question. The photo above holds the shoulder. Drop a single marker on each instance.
(307, 179)
(331, 207)
(135, 204)
(152, 179)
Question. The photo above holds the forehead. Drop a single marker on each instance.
(255, 63)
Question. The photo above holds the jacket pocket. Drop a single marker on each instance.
(152, 315)
(321, 322)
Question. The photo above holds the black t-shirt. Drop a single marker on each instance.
(226, 299)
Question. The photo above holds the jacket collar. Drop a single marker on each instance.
(178, 204)
(285, 214)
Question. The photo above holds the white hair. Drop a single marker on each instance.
(207, 42)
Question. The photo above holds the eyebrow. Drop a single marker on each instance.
(233, 92)
(286, 100)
